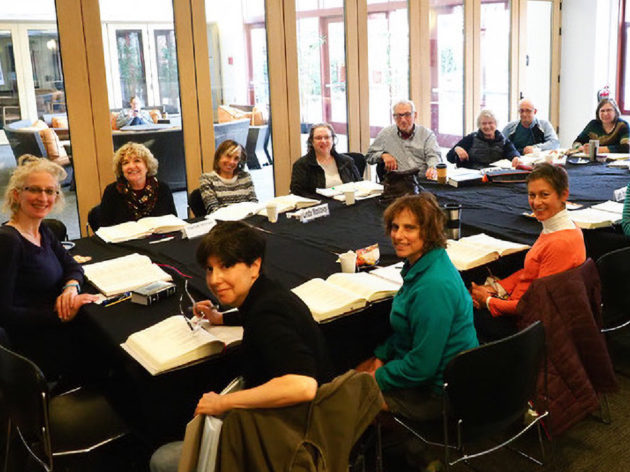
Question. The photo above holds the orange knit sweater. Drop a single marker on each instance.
(551, 253)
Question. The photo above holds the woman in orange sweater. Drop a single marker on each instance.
(559, 247)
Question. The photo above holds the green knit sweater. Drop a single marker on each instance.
(432, 321)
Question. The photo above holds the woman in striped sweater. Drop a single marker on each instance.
(228, 183)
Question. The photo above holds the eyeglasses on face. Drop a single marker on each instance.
(35, 190)
(322, 138)
(526, 110)
(398, 116)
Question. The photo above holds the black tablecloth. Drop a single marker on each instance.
(297, 252)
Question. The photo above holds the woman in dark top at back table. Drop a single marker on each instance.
(137, 192)
(40, 282)
(607, 127)
(322, 166)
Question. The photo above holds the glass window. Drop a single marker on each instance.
(237, 46)
(47, 72)
(447, 70)
(9, 100)
(495, 58)
(388, 59)
(143, 85)
(538, 59)
(322, 67)
(624, 69)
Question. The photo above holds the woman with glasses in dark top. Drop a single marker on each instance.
(322, 166)
(40, 283)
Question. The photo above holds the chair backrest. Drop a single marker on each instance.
(488, 387)
(195, 202)
(235, 130)
(94, 218)
(57, 227)
(359, 161)
(614, 273)
(25, 395)
(24, 141)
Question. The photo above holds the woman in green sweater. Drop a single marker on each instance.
(607, 127)
(431, 316)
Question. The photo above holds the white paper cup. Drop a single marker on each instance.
(348, 262)
(349, 195)
(272, 212)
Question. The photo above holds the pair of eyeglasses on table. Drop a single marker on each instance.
(194, 322)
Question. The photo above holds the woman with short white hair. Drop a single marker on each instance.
(484, 146)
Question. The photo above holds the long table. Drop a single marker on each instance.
(297, 252)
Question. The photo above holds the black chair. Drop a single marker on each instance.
(72, 423)
(94, 218)
(614, 273)
(486, 391)
(359, 161)
(195, 203)
(58, 228)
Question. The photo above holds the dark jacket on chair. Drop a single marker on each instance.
(308, 175)
(312, 436)
(579, 367)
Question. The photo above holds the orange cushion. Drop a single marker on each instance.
(54, 149)
(59, 122)
(112, 118)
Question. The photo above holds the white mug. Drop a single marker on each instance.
(348, 262)
(272, 212)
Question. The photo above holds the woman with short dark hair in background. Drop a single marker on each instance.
(137, 192)
(40, 283)
(229, 182)
(559, 247)
(608, 128)
(322, 166)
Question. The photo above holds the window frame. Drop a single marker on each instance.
(623, 81)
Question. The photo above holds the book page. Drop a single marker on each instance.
(466, 255)
(589, 218)
(162, 224)
(236, 211)
(366, 285)
(615, 208)
(289, 202)
(227, 334)
(122, 232)
(171, 343)
(494, 244)
(327, 300)
(124, 274)
(391, 273)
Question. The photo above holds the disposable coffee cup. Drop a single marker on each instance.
(272, 212)
(593, 149)
(349, 196)
(441, 173)
(453, 222)
(348, 262)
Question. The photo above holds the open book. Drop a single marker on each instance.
(289, 202)
(598, 216)
(124, 274)
(171, 343)
(140, 229)
(236, 211)
(362, 189)
(341, 293)
(477, 250)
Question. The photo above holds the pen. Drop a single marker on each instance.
(162, 240)
(117, 299)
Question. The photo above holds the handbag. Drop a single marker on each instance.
(397, 183)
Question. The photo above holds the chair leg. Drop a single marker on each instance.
(6, 449)
(604, 409)
(379, 448)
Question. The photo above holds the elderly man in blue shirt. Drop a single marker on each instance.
(530, 133)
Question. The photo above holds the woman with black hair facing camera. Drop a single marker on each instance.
(284, 352)
(322, 166)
